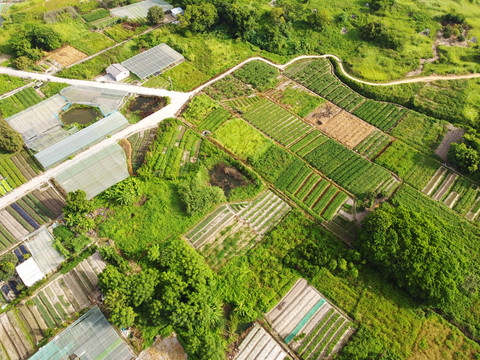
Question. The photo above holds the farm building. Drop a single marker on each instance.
(30, 272)
(139, 10)
(177, 11)
(96, 173)
(81, 140)
(153, 61)
(40, 245)
(118, 72)
(90, 337)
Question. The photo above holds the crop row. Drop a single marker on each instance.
(242, 103)
(10, 171)
(213, 121)
(321, 334)
(373, 144)
(382, 115)
(306, 140)
(309, 67)
(276, 122)
(312, 145)
(327, 339)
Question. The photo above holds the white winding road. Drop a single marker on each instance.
(177, 101)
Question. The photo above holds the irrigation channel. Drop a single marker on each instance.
(177, 101)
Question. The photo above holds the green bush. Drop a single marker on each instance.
(258, 74)
(10, 140)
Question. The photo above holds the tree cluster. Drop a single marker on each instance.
(413, 251)
(177, 288)
(10, 140)
(155, 15)
(197, 196)
(76, 210)
(29, 44)
(465, 155)
(7, 266)
(123, 193)
(380, 34)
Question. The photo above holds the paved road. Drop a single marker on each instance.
(177, 101)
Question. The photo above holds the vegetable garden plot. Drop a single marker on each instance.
(260, 345)
(379, 114)
(304, 311)
(276, 122)
(49, 307)
(233, 229)
(214, 120)
(138, 11)
(18, 102)
(242, 104)
(141, 142)
(172, 151)
(373, 144)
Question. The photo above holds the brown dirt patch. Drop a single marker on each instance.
(66, 55)
(164, 349)
(340, 125)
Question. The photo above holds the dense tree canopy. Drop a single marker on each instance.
(198, 18)
(76, 210)
(10, 140)
(198, 196)
(466, 155)
(413, 252)
(155, 15)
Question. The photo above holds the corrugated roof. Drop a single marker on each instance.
(81, 140)
(40, 245)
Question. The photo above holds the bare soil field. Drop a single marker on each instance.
(164, 349)
(453, 135)
(340, 125)
(66, 55)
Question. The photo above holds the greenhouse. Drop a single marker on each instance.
(139, 10)
(90, 337)
(153, 61)
(81, 140)
(107, 100)
(40, 245)
(37, 121)
(96, 173)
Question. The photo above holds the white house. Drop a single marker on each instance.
(118, 72)
(177, 11)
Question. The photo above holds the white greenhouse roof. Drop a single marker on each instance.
(81, 140)
(96, 173)
(107, 100)
(90, 337)
(153, 61)
(139, 10)
(40, 245)
(29, 272)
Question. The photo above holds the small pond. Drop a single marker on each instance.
(147, 105)
(82, 116)
(227, 177)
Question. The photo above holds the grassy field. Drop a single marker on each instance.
(241, 139)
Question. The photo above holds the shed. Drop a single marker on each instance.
(177, 11)
(118, 72)
(29, 272)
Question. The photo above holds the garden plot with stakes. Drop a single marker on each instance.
(233, 229)
(23, 326)
(260, 345)
(308, 323)
(276, 122)
(455, 191)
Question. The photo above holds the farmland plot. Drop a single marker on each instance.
(173, 149)
(140, 142)
(308, 323)
(260, 345)
(317, 76)
(455, 191)
(313, 193)
(343, 127)
(382, 115)
(22, 327)
(19, 102)
(373, 144)
(276, 122)
(233, 229)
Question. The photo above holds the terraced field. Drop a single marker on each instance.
(233, 229)
(27, 214)
(23, 326)
(456, 192)
(260, 345)
(276, 122)
(311, 190)
(308, 323)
